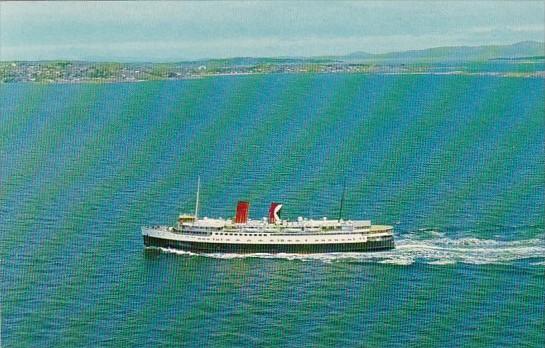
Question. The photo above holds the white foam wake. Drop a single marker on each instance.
(441, 250)
(432, 248)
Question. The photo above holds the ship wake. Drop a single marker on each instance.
(430, 247)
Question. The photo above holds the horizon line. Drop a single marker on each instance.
(176, 60)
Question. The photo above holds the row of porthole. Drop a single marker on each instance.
(242, 234)
(282, 240)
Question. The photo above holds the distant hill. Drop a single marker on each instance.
(519, 50)
(452, 53)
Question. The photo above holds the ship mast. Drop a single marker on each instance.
(197, 199)
(342, 201)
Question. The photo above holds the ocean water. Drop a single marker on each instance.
(455, 163)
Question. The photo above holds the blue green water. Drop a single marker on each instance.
(455, 163)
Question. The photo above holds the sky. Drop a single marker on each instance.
(167, 31)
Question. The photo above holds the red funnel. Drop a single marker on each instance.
(273, 212)
(242, 212)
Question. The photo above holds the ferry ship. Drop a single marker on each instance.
(268, 235)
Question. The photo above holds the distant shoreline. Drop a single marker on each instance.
(536, 74)
(519, 60)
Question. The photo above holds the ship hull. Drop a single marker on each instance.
(247, 248)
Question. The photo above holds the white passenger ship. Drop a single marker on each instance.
(269, 235)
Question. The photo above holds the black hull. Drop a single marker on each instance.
(203, 247)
